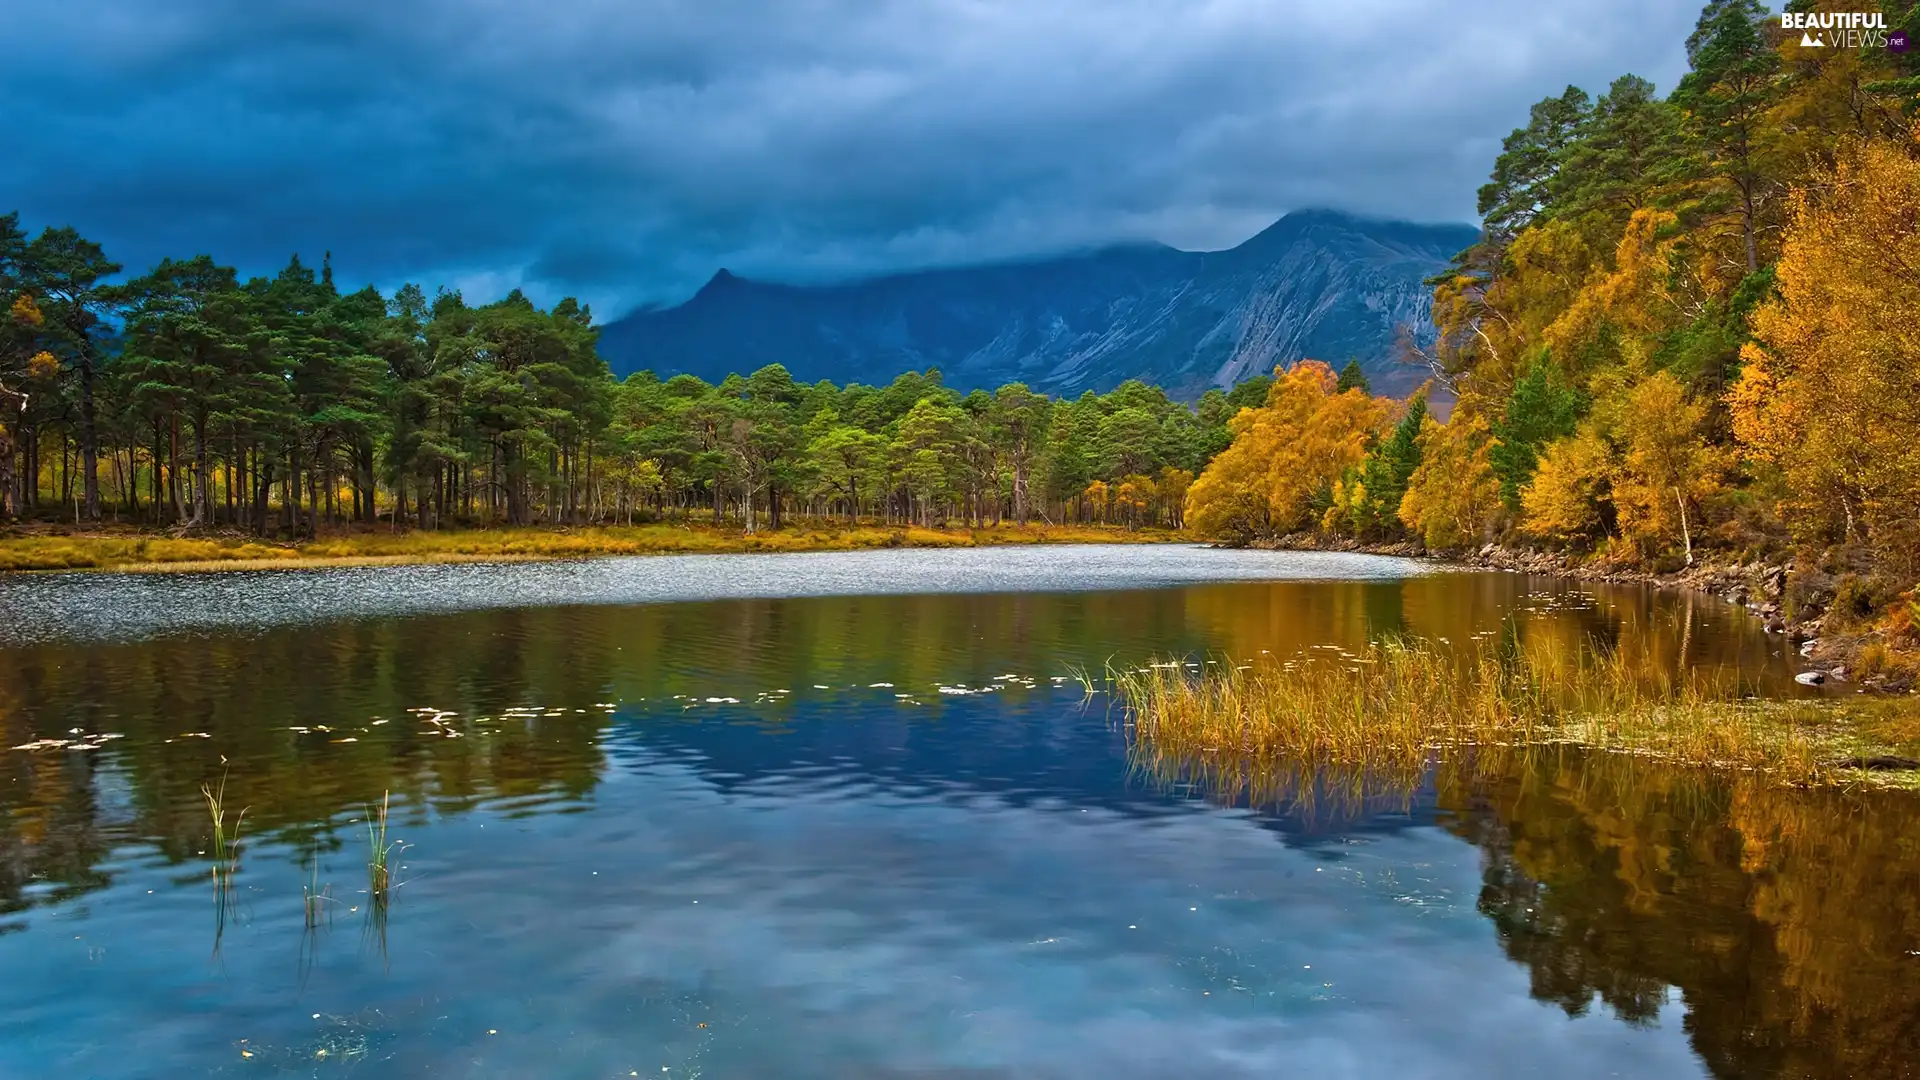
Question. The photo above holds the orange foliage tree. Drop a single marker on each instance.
(1284, 455)
(1830, 393)
(1453, 497)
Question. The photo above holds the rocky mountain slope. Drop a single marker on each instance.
(1315, 284)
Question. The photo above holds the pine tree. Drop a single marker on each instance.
(1530, 160)
(1542, 408)
(1352, 378)
(1622, 158)
(1725, 99)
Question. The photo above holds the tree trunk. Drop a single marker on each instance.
(89, 437)
(9, 502)
(1747, 216)
(1686, 534)
(233, 472)
(202, 473)
(262, 488)
(177, 496)
(290, 492)
(516, 495)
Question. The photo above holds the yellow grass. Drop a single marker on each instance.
(129, 550)
(1391, 708)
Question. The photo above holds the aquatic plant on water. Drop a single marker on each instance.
(314, 896)
(380, 883)
(225, 851)
(226, 838)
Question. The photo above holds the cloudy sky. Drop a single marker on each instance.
(622, 150)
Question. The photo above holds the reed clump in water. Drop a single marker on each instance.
(226, 838)
(1391, 707)
(316, 897)
(380, 883)
(225, 851)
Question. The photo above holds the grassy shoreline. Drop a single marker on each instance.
(150, 551)
(1394, 707)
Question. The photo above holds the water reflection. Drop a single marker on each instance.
(448, 711)
(578, 758)
(1785, 919)
(1781, 919)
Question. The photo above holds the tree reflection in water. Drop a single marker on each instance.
(1784, 921)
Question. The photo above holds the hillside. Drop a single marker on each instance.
(1314, 284)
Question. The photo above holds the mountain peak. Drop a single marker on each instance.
(722, 278)
(1348, 229)
(1318, 283)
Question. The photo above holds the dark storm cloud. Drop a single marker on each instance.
(624, 150)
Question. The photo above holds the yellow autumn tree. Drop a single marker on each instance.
(1283, 455)
(1667, 466)
(1453, 497)
(1096, 496)
(1830, 392)
(1131, 498)
(1491, 325)
(1563, 500)
(1629, 303)
(1170, 491)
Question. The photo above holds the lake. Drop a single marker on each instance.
(851, 815)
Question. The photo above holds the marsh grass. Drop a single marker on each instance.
(226, 838)
(315, 897)
(1083, 677)
(380, 883)
(134, 550)
(225, 852)
(1392, 708)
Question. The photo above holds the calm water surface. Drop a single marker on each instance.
(846, 816)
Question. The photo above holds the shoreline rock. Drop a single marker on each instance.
(1759, 586)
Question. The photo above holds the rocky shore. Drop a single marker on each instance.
(1761, 587)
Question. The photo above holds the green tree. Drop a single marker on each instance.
(1541, 409)
(1623, 156)
(1128, 442)
(68, 272)
(188, 330)
(1353, 378)
(1529, 163)
(1019, 422)
(1725, 99)
(20, 323)
(1374, 490)
(845, 460)
(925, 451)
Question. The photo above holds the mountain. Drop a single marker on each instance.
(1316, 284)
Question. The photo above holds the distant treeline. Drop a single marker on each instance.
(187, 396)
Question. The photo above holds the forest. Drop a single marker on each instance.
(1690, 322)
(189, 398)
